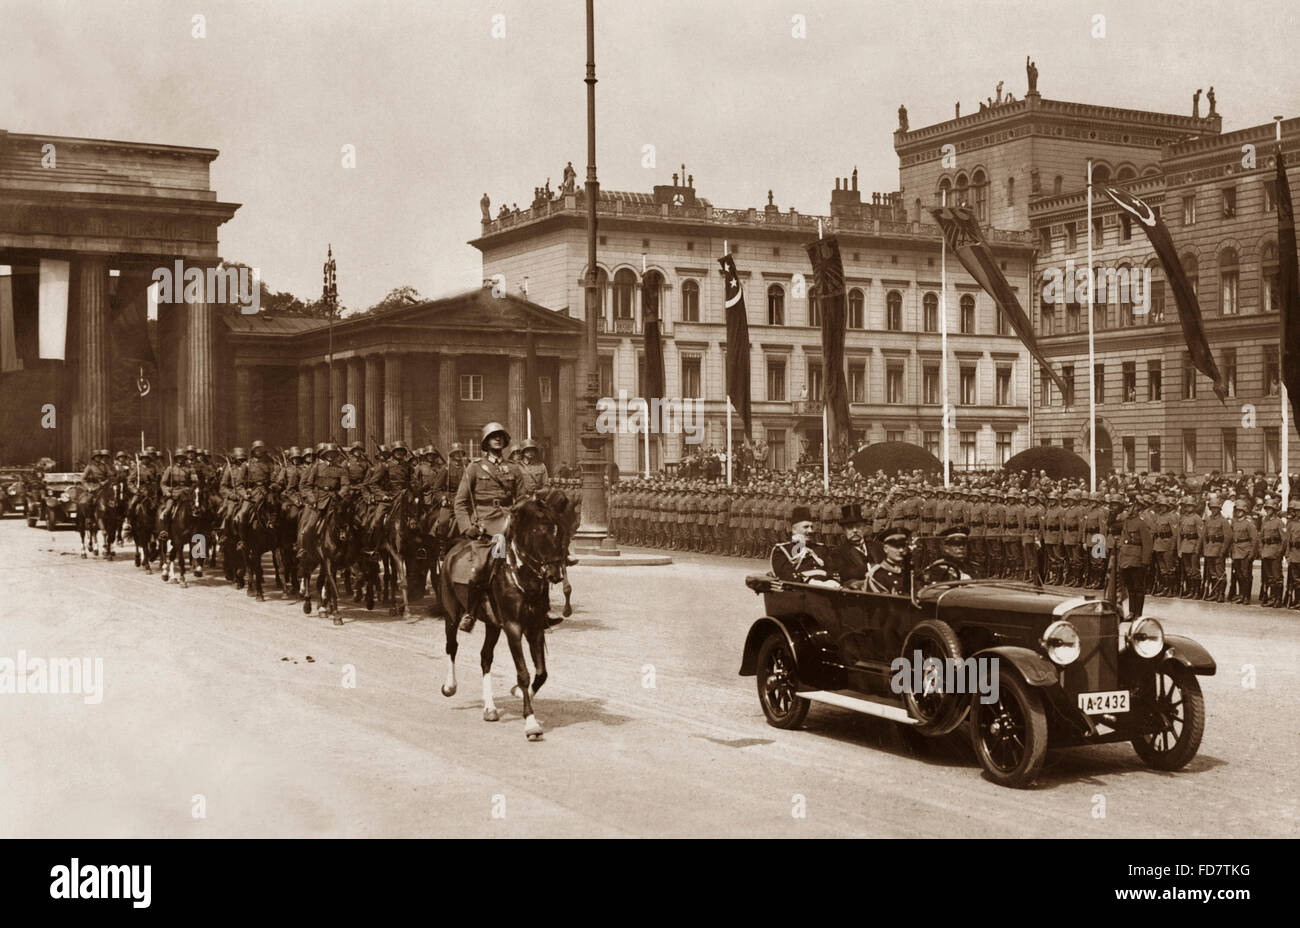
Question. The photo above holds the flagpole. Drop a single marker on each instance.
(728, 440)
(647, 436)
(943, 350)
(1092, 356)
(530, 423)
(1285, 404)
(826, 452)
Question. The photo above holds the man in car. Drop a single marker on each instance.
(799, 559)
(891, 575)
(851, 560)
(951, 563)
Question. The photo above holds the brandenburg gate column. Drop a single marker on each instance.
(200, 395)
(93, 353)
(320, 422)
(568, 448)
(448, 392)
(516, 416)
(392, 398)
(374, 421)
(356, 396)
(305, 411)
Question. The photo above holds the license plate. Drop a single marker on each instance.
(1104, 703)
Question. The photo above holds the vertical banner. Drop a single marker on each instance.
(737, 341)
(53, 305)
(828, 277)
(9, 359)
(1288, 283)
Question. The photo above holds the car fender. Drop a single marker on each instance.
(795, 637)
(1190, 653)
(1033, 668)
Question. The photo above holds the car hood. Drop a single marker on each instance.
(990, 596)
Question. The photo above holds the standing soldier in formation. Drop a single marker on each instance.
(1293, 553)
(1272, 541)
(1245, 548)
(1136, 544)
(1015, 532)
(976, 540)
(1072, 539)
(1165, 529)
(1055, 569)
(1094, 542)
(1217, 531)
(1031, 538)
(1190, 538)
(995, 514)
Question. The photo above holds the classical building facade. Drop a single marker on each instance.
(660, 249)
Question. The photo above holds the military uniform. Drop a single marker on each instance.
(1215, 549)
(978, 563)
(1293, 556)
(1244, 550)
(1055, 568)
(321, 486)
(1072, 541)
(1031, 539)
(1165, 554)
(1135, 549)
(1272, 542)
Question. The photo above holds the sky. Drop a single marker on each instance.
(440, 110)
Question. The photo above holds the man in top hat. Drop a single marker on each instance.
(799, 559)
(951, 562)
(891, 575)
(851, 559)
(1244, 549)
(488, 488)
(1272, 541)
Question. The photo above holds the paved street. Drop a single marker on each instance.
(211, 703)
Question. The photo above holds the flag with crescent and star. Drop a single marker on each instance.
(967, 242)
(1288, 285)
(1189, 309)
(737, 340)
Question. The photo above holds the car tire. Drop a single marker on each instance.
(935, 714)
(1178, 701)
(777, 684)
(1010, 735)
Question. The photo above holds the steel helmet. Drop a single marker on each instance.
(528, 443)
(491, 429)
(295, 454)
(239, 454)
(456, 448)
(259, 444)
(399, 445)
(181, 452)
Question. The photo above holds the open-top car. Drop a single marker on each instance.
(13, 494)
(1026, 667)
(61, 495)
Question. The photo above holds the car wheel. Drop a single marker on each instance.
(777, 685)
(936, 711)
(1174, 695)
(1009, 735)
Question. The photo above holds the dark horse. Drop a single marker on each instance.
(176, 527)
(323, 546)
(97, 514)
(142, 512)
(531, 557)
(258, 535)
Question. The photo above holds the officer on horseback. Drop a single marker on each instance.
(98, 472)
(255, 486)
(232, 482)
(488, 488)
(175, 484)
(388, 481)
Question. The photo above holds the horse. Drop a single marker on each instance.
(286, 539)
(532, 557)
(96, 515)
(142, 513)
(559, 502)
(259, 534)
(395, 542)
(177, 527)
(323, 544)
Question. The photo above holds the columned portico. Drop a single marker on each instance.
(305, 407)
(392, 398)
(198, 417)
(93, 356)
(355, 397)
(447, 394)
(374, 420)
(320, 402)
(516, 415)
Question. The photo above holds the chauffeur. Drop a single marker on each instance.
(951, 563)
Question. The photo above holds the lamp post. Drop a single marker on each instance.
(594, 531)
(330, 297)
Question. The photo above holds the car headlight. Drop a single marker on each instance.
(63, 498)
(1061, 642)
(1146, 638)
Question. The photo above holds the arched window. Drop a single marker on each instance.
(894, 311)
(967, 314)
(1156, 295)
(857, 309)
(930, 304)
(980, 195)
(1229, 279)
(690, 301)
(1126, 173)
(1100, 174)
(652, 288)
(944, 193)
(1150, 171)
(1269, 301)
(624, 287)
(1123, 281)
(1192, 268)
(1011, 191)
(1058, 185)
(775, 305)
(962, 192)
(602, 291)
(814, 308)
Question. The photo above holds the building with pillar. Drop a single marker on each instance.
(114, 211)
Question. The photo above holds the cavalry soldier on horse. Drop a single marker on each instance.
(98, 472)
(232, 481)
(532, 472)
(488, 488)
(321, 485)
(390, 480)
(255, 485)
(176, 485)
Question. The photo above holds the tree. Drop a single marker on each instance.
(396, 298)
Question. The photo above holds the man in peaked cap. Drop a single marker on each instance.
(488, 488)
(951, 562)
(799, 559)
(892, 575)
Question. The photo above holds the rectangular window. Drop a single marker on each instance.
(1067, 374)
(1045, 442)
(969, 388)
(930, 393)
(1189, 210)
(1073, 315)
(894, 382)
(815, 383)
(1272, 450)
(857, 383)
(544, 388)
(1045, 240)
(691, 382)
(1272, 372)
(1044, 388)
(895, 435)
(606, 376)
(1071, 236)
(1068, 443)
(1048, 316)
(1154, 386)
(1004, 396)
(932, 443)
(1229, 202)
(1189, 380)
(1098, 232)
(1130, 454)
(1130, 381)
(1004, 327)
(1099, 314)
(967, 444)
(471, 387)
(1270, 196)
(814, 310)
(1228, 437)
(776, 379)
(1153, 453)
(1229, 280)
(776, 449)
(1189, 451)
(1004, 447)
(1125, 228)
(1229, 366)
(1099, 383)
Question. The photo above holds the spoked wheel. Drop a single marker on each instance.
(1174, 695)
(937, 712)
(1010, 734)
(778, 686)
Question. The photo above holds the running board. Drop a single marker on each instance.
(859, 704)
